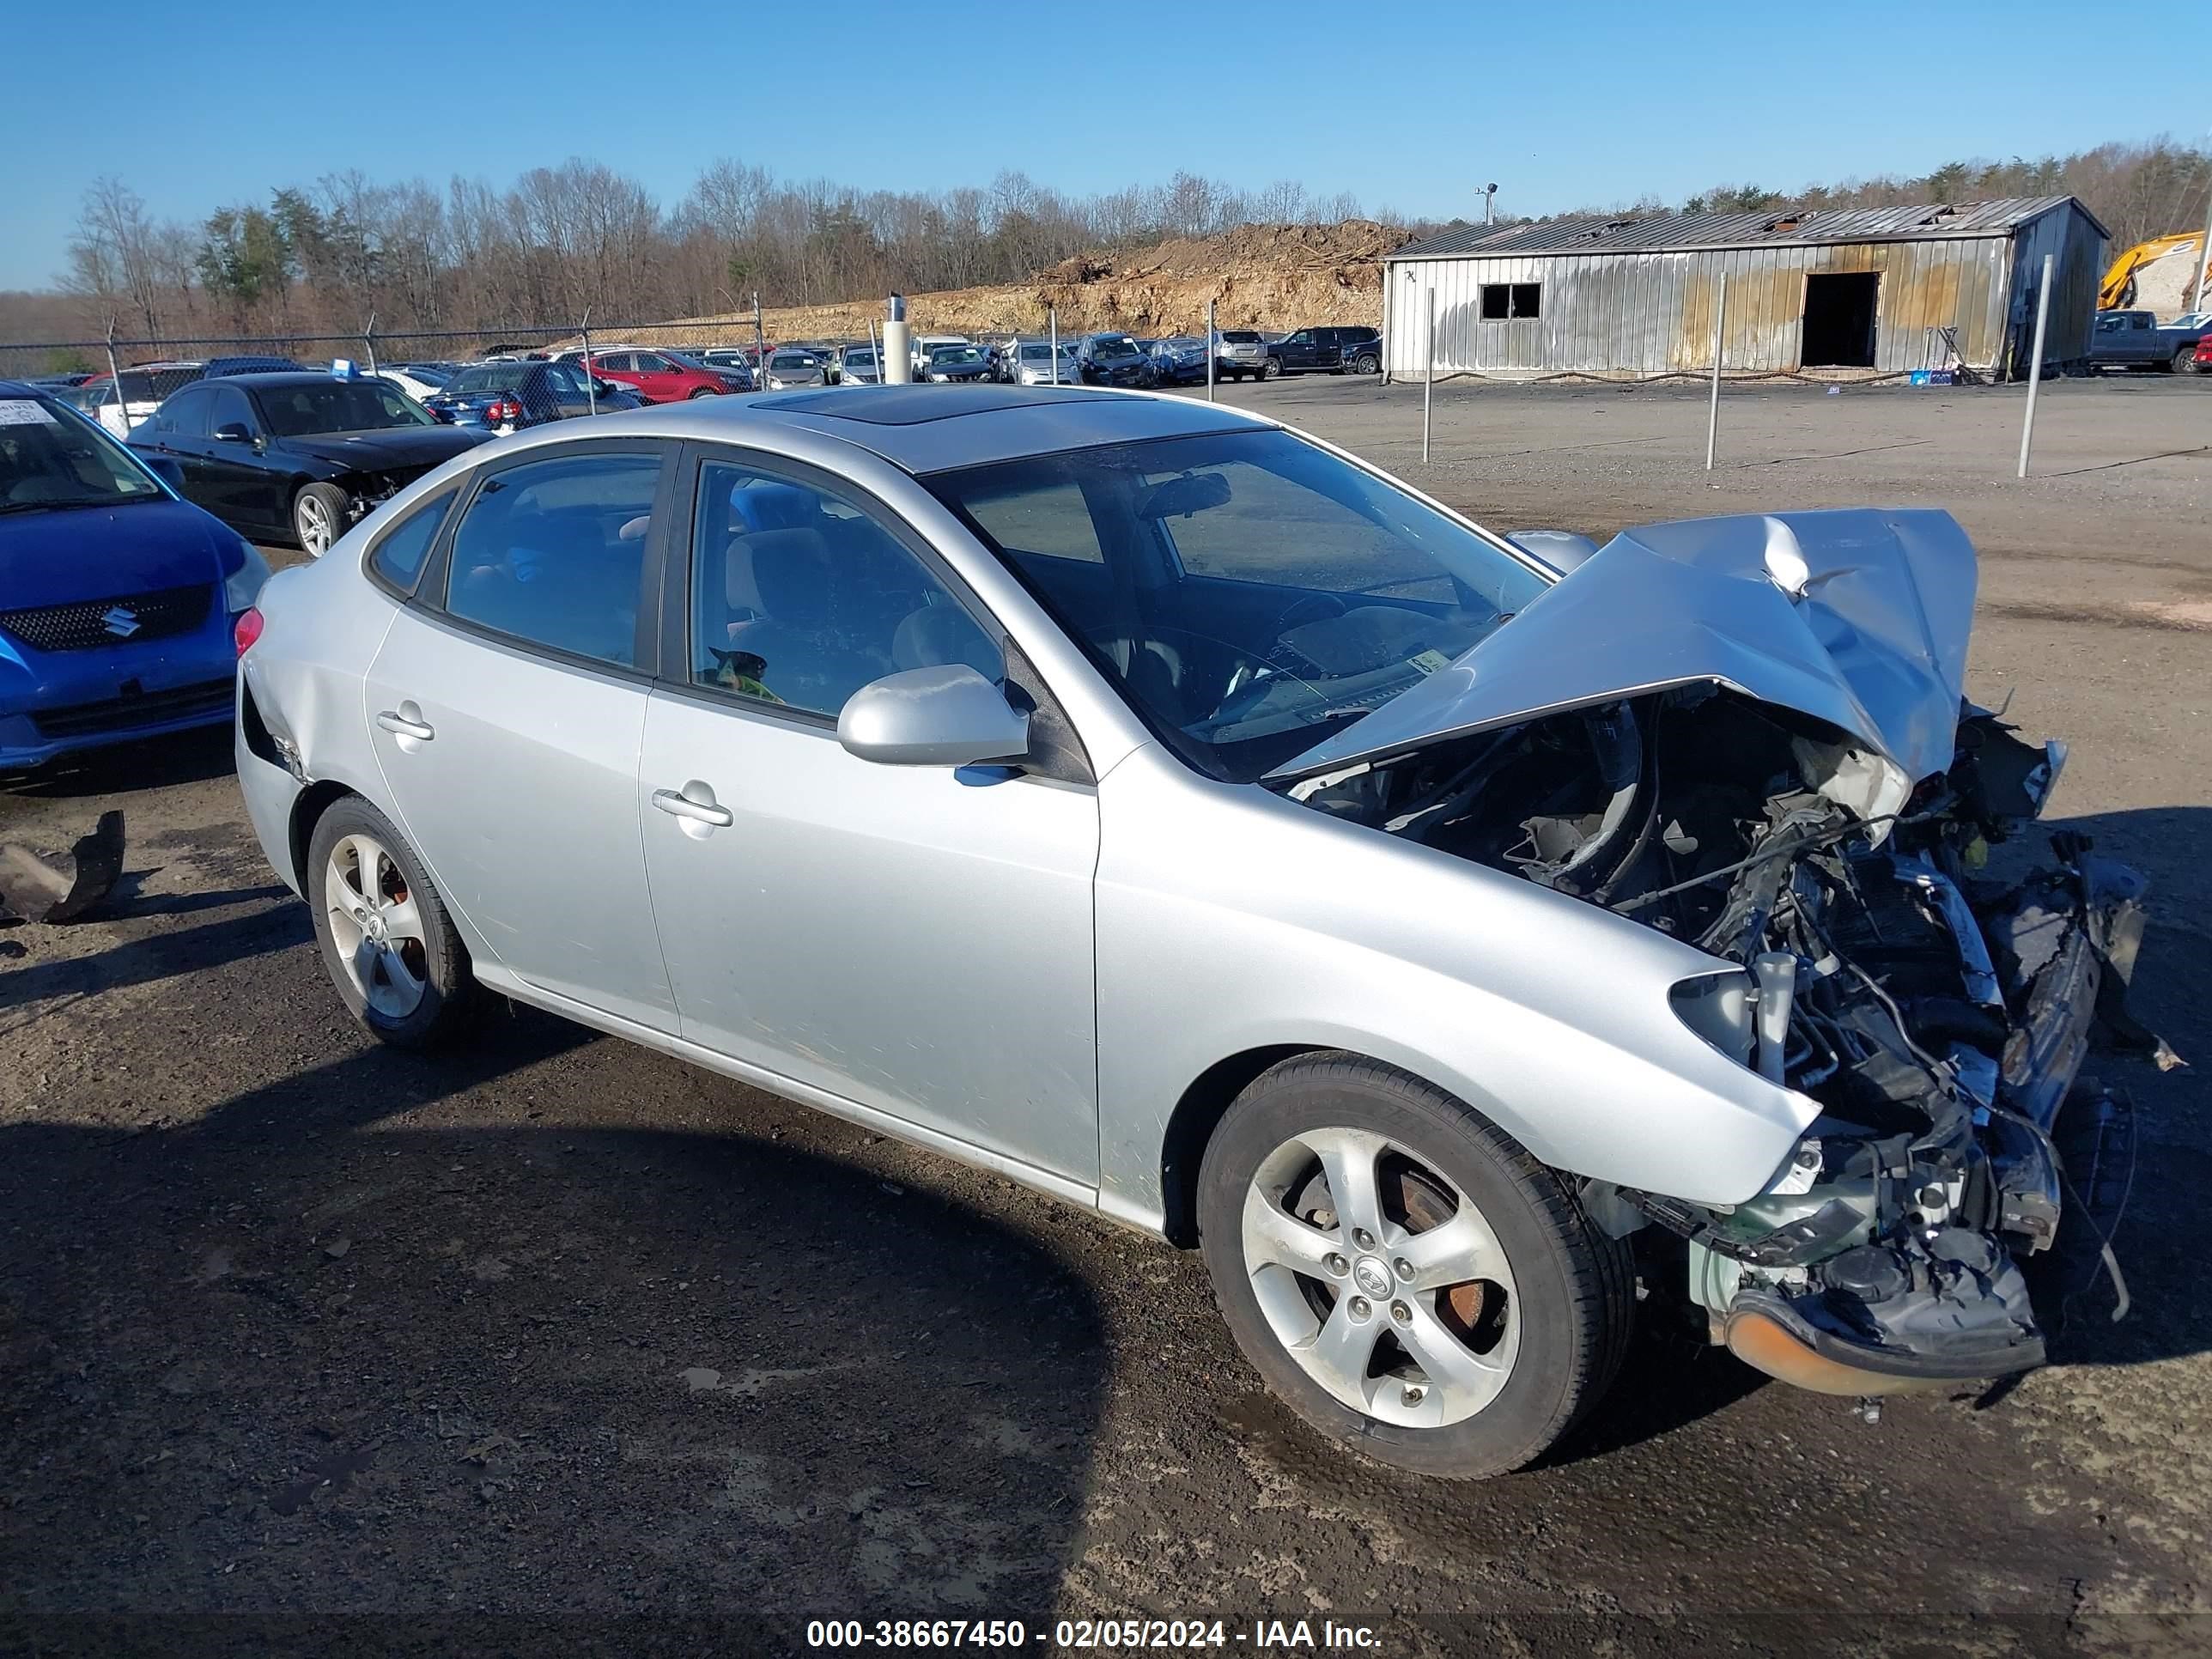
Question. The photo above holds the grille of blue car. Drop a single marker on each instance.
(85, 623)
(81, 720)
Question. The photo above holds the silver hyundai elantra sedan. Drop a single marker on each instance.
(1461, 940)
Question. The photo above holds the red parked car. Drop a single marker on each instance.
(2204, 356)
(659, 377)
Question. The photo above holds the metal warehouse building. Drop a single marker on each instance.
(1867, 290)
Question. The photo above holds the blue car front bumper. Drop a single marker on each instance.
(63, 703)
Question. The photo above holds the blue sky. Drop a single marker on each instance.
(1408, 105)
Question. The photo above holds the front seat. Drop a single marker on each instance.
(804, 658)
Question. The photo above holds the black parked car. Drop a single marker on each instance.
(300, 456)
(1325, 350)
(1112, 360)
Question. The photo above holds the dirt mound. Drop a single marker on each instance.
(1274, 277)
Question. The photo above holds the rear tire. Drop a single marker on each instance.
(1365, 363)
(699, 391)
(390, 948)
(2184, 361)
(1269, 369)
(1476, 1351)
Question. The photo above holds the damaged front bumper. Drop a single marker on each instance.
(1886, 1265)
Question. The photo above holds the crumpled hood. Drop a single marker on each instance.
(1875, 644)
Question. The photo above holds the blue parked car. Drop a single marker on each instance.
(117, 598)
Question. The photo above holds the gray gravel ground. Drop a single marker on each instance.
(360, 1350)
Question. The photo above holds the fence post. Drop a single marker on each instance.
(115, 381)
(760, 347)
(2035, 364)
(1209, 351)
(1429, 380)
(1052, 321)
(1713, 406)
(369, 339)
(591, 369)
(878, 350)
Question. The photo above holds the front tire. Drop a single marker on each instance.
(387, 938)
(319, 517)
(1402, 1273)
(1269, 369)
(2184, 361)
(699, 391)
(1365, 363)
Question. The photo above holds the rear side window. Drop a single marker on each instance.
(553, 554)
(398, 555)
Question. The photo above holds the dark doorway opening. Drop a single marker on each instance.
(1839, 312)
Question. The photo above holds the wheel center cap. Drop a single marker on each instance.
(375, 928)
(1372, 1276)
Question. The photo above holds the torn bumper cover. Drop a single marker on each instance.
(1944, 1301)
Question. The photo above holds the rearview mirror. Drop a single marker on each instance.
(232, 432)
(1178, 498)
(948, 715)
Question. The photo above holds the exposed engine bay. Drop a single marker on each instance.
(1939, 1016)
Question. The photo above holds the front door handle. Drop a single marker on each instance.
(393, 721)
(677, 804)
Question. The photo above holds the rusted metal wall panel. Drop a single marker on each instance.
(1645, 313)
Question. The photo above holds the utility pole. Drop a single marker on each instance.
(1489, 204)
(2205, 253)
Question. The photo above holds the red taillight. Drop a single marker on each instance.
(246, 628)
(506, 409)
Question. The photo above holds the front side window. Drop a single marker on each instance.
(183, 415)
(553, 554)
(799, 598)
(227, 406)
(49, 460)
(649, 364)
(1256, 594)
(1502, 300)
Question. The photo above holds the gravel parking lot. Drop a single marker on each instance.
(371, 1345)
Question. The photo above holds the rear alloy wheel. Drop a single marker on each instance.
(1270, 368)
(319, 517)
(390, 946)
(2184, 361)
(1365, 363)
(698, 391)
(1403, 1275)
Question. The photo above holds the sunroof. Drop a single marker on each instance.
(912, 405)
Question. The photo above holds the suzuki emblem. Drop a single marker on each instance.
(121, 622)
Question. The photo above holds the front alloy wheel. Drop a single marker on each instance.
(375, 925)
(1402, 1273)
(1380, 1279)
(318, 518)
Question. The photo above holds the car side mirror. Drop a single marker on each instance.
(164, 468)
(947, 716)
(1562, 550)
(232, 432)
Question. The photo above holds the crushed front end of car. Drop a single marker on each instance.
(1749, 734)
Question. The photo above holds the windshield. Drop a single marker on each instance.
(319, 406)
(1249, 592)
(956, 355)
(1036, 353)
(49, 459)
(859, 359)
(1115, 349)
(488, 376)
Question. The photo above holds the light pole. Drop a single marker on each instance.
(1489, 204)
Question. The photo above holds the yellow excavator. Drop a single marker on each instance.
(2119, 290)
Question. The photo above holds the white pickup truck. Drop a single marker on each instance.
(2133, 339)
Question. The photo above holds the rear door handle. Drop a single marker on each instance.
(675, 804)
(392, 720)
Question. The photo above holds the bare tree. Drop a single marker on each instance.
(115, 255)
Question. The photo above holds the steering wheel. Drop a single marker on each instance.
(1322, 604)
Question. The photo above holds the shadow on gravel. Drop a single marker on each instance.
(181, 757)
(316, 1352)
